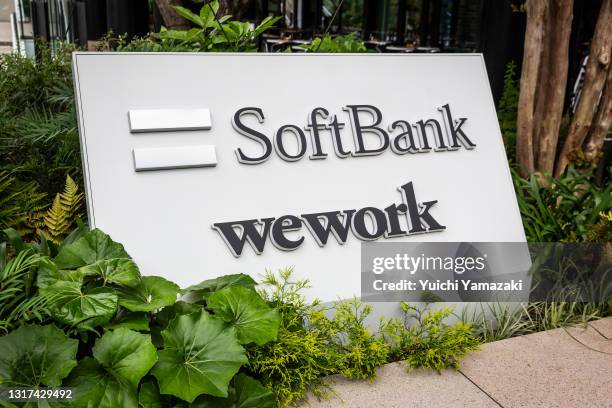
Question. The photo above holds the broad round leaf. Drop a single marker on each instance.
(152, 293)
(122, 358)
(255, 321)
(245, 392)
(138, 321)
(92, 247)
(149, 396)
(251, 394)
(94, 386)
(121, 271)
(165, 316)
(48, 274)
(71, 305)
(213, 285)
(200, 356)
(36, 355)
(126, 353)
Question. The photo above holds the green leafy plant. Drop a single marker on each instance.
(120, 359)
(496, 321)
(499, 321)
(540, 316)
(561, 209)
(19, 302)
(349, 43)
(423, 339)
(222, 344)
(211, 33)
(254, 320)
(136, 343)
(200, 356)
(35, 356)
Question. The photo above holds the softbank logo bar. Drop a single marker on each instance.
(181, 157)
(166, 120)
(172, 157)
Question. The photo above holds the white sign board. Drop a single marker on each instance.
(211, 164)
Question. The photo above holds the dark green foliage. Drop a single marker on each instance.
(34, 356)
(87, 291)
(224, 344)
(38, 132)
(565, 209)
(507, 110)
(19, 202)
(423, 338)
(19, 302)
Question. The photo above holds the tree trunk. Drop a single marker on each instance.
(594, 80)
(603, 121)
(536, 12)
(553, 84)
(169, 15)
(541, 94)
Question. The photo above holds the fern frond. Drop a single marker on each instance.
(59, 218)
(71, 199)
(56, 224)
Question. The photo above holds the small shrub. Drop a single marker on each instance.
(357, 351)
(423, 339)
(312, 346)
(299, 361)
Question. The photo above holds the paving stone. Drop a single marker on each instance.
(591, 338)
(397, 388)
(547, 369)
(603, 326)
(5, 32)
